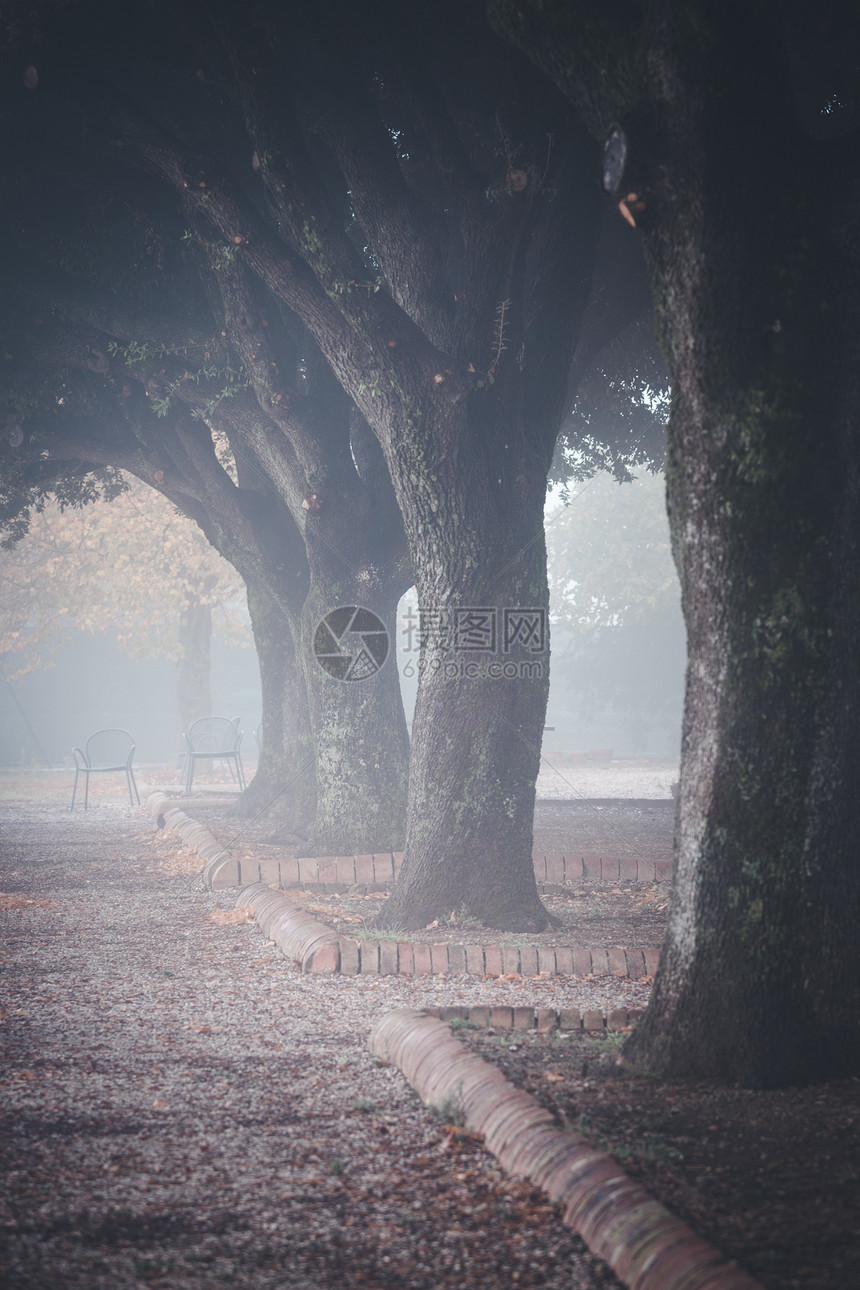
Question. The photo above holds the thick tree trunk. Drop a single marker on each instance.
(193, 693)
(481, 701)
(284, 786)
(360, 733)
(759, 979)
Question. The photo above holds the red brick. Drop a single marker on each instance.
(617, 961)
(581, 962)
(592, 1021)
(493, 960)
(226, 874)
(327, 870)
(591, 867)
(547, 1019)
(325, 959)
(289, 873)
(617, 1019)
(564, 961)
(663, 871)
(250, 871)
(364, 874)
(628, 869)
(439, 959)
(539, 862)
(652, 958)
(370, 958)
(635, 963)
(345, 870)
(524, 1018)
(308, 870)
(502, 1018)
(383, 869)
(511, 958)
(388, 958)
(349, 960)
(546, 959)
(569, 1019)
(421, 959)
(528, 960)
(405, 958)
(475, 960)
(270, 871)
(647, 870)
(573, 871)
(599, 963)
(454, 1012)
(479, 1016)
(456, 959)
(555, 870)
(609, 868)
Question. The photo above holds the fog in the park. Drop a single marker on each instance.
(92, 636)
(429, 620)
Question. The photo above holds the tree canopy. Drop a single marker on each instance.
(365, 242)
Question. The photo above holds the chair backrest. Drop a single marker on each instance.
(109, 748)
(213, 734)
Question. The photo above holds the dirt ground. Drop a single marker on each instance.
(771, 1178)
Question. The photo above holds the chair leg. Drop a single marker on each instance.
(74, 790)
(86, 790)
(241, 769)
(129, 780)
(189, 778)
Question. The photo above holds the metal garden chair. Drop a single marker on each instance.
(214, 739)
(106, 750)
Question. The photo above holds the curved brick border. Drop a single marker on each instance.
(330, 953)
(366, 957)
(644, 1244)
(193, 834)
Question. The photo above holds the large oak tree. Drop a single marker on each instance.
(423, 203)
(732, 141)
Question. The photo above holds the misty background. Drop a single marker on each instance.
(92, 637)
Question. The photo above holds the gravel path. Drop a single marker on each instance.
(181, 1108)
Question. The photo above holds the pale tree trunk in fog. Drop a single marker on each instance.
(284, 789)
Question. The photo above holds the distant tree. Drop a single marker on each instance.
(615, 601)
(731, 138)
(132, 568)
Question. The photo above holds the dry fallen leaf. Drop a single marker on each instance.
(553, 1077)
(223, 916)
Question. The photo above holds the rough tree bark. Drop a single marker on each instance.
(284, 786)
(722, 111)
(405, 185)
(457, 355)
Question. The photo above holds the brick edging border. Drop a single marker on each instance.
(554, 871)
(317, 948)
(646, 1246)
